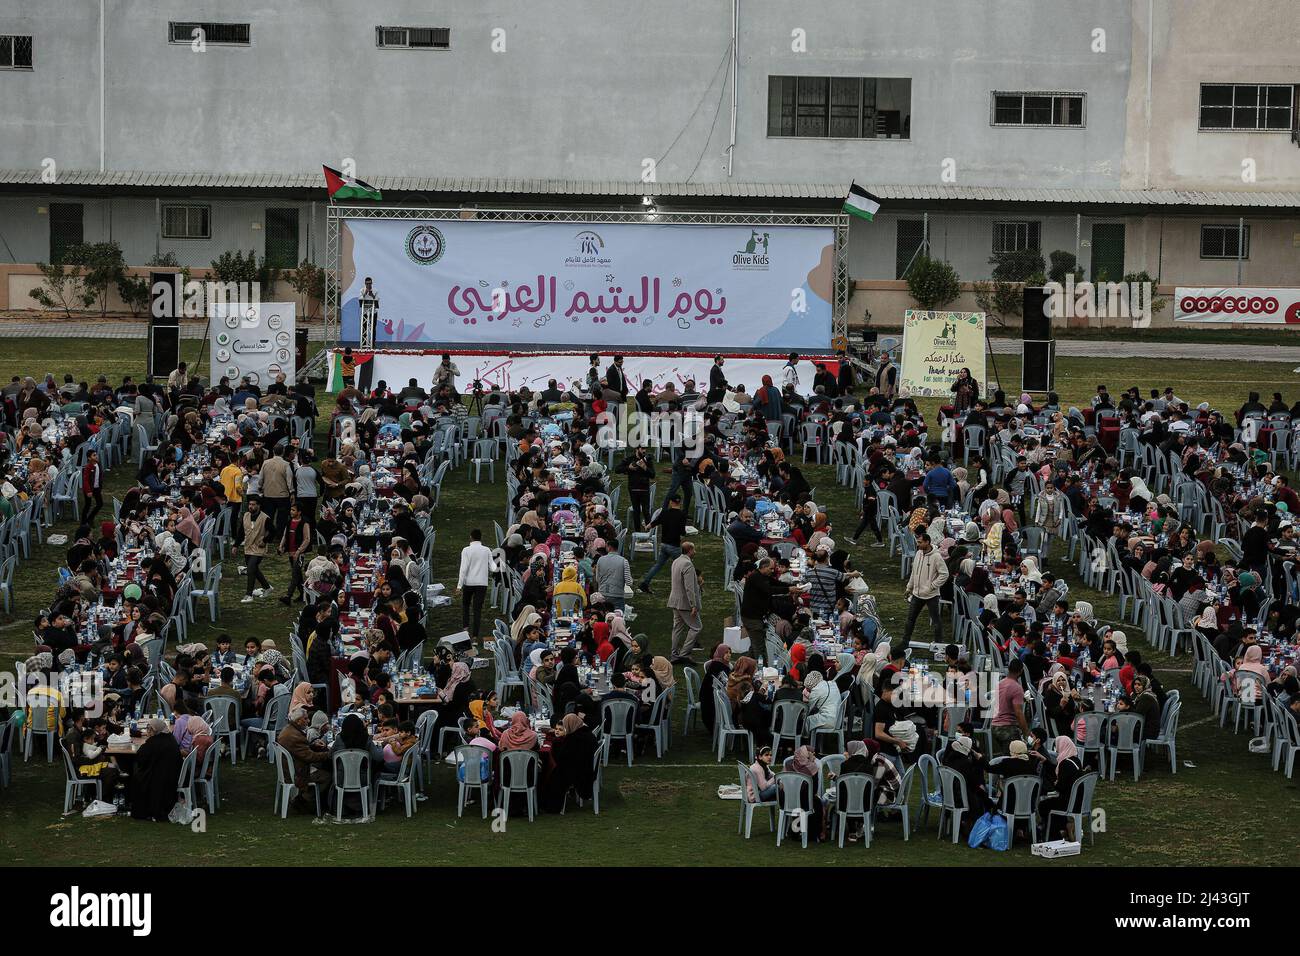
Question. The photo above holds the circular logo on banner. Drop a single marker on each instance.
(424, 244)
(282, 355)
(223, 355)
(232, 371)
(254, 378)
(273, 370)
(223, 338)
(274, 322)
(232, 321)
(282, 338)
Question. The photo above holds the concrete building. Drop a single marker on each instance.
(1140, 135)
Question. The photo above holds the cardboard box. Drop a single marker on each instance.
(1056, 848)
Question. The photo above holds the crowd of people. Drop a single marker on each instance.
(231, 465)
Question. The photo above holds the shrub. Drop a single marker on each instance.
(932, 283)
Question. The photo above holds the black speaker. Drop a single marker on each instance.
(164, 350)
(1038, 366)
(164, 323)
(300, 348)
(1037, 321)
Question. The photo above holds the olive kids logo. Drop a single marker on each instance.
(77, 910)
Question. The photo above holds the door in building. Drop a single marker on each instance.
(1107, 252)
(282, 238)
(907, 247)
(67, 228)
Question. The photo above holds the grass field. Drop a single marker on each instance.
(1225, 809)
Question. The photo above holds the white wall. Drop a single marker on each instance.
(585, 89)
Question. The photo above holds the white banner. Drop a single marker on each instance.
(515, 371)
(1226, 306)
(256, 340)
(621, 286)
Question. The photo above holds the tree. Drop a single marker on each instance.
(238, 267)
(999, 300)
(1157, 302)
(102, 266)
(62, 288)
(308, 282)
(1063, 265)
(135, 292)
(1023, 265)
(932, 283)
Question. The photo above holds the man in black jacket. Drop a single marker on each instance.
(756, 601)
(717, 381)
(640, 471)
(615, 381)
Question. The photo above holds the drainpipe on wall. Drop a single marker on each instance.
(735, 30)
(101, 86)
(1151, 19)
(1241, 235)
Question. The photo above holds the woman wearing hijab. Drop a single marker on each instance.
(573, 753)
(823, 700)
(804, 761)
(520, 734)
(302, 696)
(798, 657)
(960, 757)
(740, 682)
(1061, 702)
(1252, 662)
(453, 698)
(192, 733)
(716, 673)
(1068, 770)
(482, 711)
(663, 673)
(156, 770)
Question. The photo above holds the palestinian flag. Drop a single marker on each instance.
(348, 187)
(861, 203)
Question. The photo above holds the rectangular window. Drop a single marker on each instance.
(413, 38)
(1038, 109)
(221, 34)
(67, 228)
(186, 222)
(1016, 236)
(1247, 106)
(1221, 242)
(282, 238)
(839, 107)
(15, 52)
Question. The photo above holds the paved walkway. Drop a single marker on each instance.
(23, 327)
(1118, 348)
(15, 328)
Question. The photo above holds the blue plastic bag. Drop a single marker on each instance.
(989, 831)
(999, 836)
(979, 831)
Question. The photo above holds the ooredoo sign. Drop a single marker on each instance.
(1227, 306)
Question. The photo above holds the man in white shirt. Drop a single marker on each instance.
(475, 572)
(790, 372)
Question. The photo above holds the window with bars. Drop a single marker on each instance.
(413, 38)
(1016, 236)
(840, 107)
(1222, 242)
(1263, 107)
(1038, 109)
(222, 34)
(15, 52)
(186, 222)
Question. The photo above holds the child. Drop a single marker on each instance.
(348, 366)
